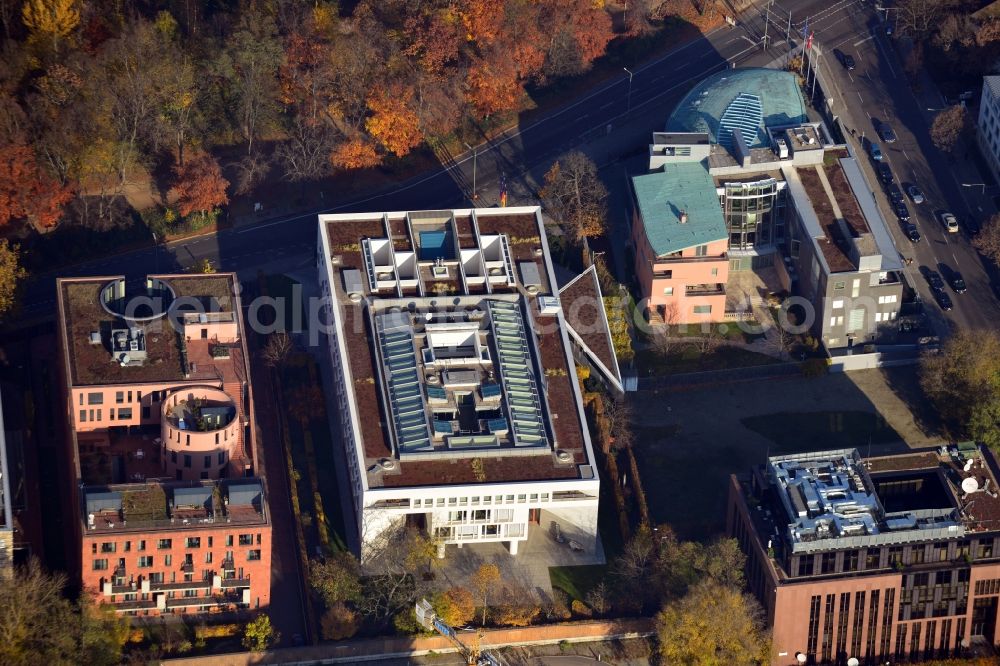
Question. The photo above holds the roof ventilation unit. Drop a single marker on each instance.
(684, 217)
(95, 337)
(387, 464)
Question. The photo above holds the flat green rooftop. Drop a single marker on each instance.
(663, 195)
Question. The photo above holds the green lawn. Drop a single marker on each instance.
(577, 581)
(821, 430)
(686, 475)
(685, 357)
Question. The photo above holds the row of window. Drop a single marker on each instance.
(149, 561)
(166, 544)
(486, 500)
(207, 460)
(891, 556)
(838, 303)
(122, 414)
(822, 614)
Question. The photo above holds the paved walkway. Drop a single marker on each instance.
(375, 649)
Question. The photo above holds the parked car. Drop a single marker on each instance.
(885, 133)
(875, 151)
(895, 195)
(934, 280)
(902, 212)
(884, 173)
(916, 196)
(971, 225)
(949, 222)
(912, 232)
(957, 283)
(943, 300)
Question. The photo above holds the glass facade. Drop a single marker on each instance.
(754, 213)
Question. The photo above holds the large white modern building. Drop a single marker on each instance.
(989, 123)
(454, 376)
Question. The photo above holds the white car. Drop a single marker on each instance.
(949, 222)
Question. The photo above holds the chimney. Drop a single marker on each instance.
(684, 217)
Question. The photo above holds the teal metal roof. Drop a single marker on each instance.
(705, 106)
(662, 195)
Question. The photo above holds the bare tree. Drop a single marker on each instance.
(576, 197)
(663, 336)
(708, 340)
(391, 583)
(619, 415)
(947, 127)
(279, 346)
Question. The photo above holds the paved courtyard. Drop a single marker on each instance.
(528, 570)
(689, 442)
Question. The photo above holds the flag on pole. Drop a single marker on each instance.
(809, 41)
(503, 190)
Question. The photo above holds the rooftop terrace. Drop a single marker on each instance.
(468, 386)
(123, 332)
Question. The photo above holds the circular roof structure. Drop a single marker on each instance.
(750, 99)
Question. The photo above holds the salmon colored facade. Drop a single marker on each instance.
(829, 619)
(681, 286)
(169, 515)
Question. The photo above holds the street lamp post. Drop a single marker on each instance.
(475, 153)
(628, 97)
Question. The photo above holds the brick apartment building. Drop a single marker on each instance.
(169, 515)
(878, 559)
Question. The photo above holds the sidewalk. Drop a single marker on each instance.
(375, 649)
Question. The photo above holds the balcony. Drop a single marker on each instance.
(684, 260)
(228, 583)
(187, 567)
(717, 289)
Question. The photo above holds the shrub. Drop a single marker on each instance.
(581, 609)
(814, 367)
(203, 631)
(339, 622)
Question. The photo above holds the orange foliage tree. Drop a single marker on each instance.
(355, 154)
(392, 122)
(200, 186)
(26, 190)
(493, 86)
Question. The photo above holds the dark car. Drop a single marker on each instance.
(934, 280)
(957, 283)
(943, 300)
(884, 172)
(913, 233)
(895, 194)
(971, 225)
(885, 133)
(902, 212)
(915, 194)
(845, 59)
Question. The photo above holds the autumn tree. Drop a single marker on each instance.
(199, 186)
(963, 383)
(50, 20)
(392, 572)
(456, 606)
(393, 123)
(27, 191)
(575, 196)
(484, 582)
(947, 127)
(355, 154)
(493, 86)
(987, 240)
(259, 635)
(339, 622)
(713, 624)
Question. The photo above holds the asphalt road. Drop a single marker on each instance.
(877, 91)
(618, 112)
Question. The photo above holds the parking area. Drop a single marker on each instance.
(688, 443)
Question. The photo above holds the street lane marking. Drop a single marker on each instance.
(892, 70)
(861, 98)
(866, 39)
(906, 156)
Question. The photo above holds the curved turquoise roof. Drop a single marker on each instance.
(744, 98)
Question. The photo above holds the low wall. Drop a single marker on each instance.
(373, 649)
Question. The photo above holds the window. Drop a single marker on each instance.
(128, 546)
(668, 291)
(145, 561)
(193, 542)
(985, 548)
(187, 458)
(703, 309)
(142, 544)
(108, 547)
(83, 415)
(120, 397)
(124, 413)
(855, 288)
(837, 321)
(222, 458)
(130, 396)
(806, 565)
(838, 303)
(164, 544)
(701, 251)
(887, 299)
(480, 514)
(229, 539)
(208, 557)
(253, 555)
(145, 412)
(839, 286)
(95, 398)
(101, 565)
(168, 559)
(111, 414)
(98, 414)
(247, 539)
(156, 577)
(828, 563)
(715, 272)
(208, 459)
